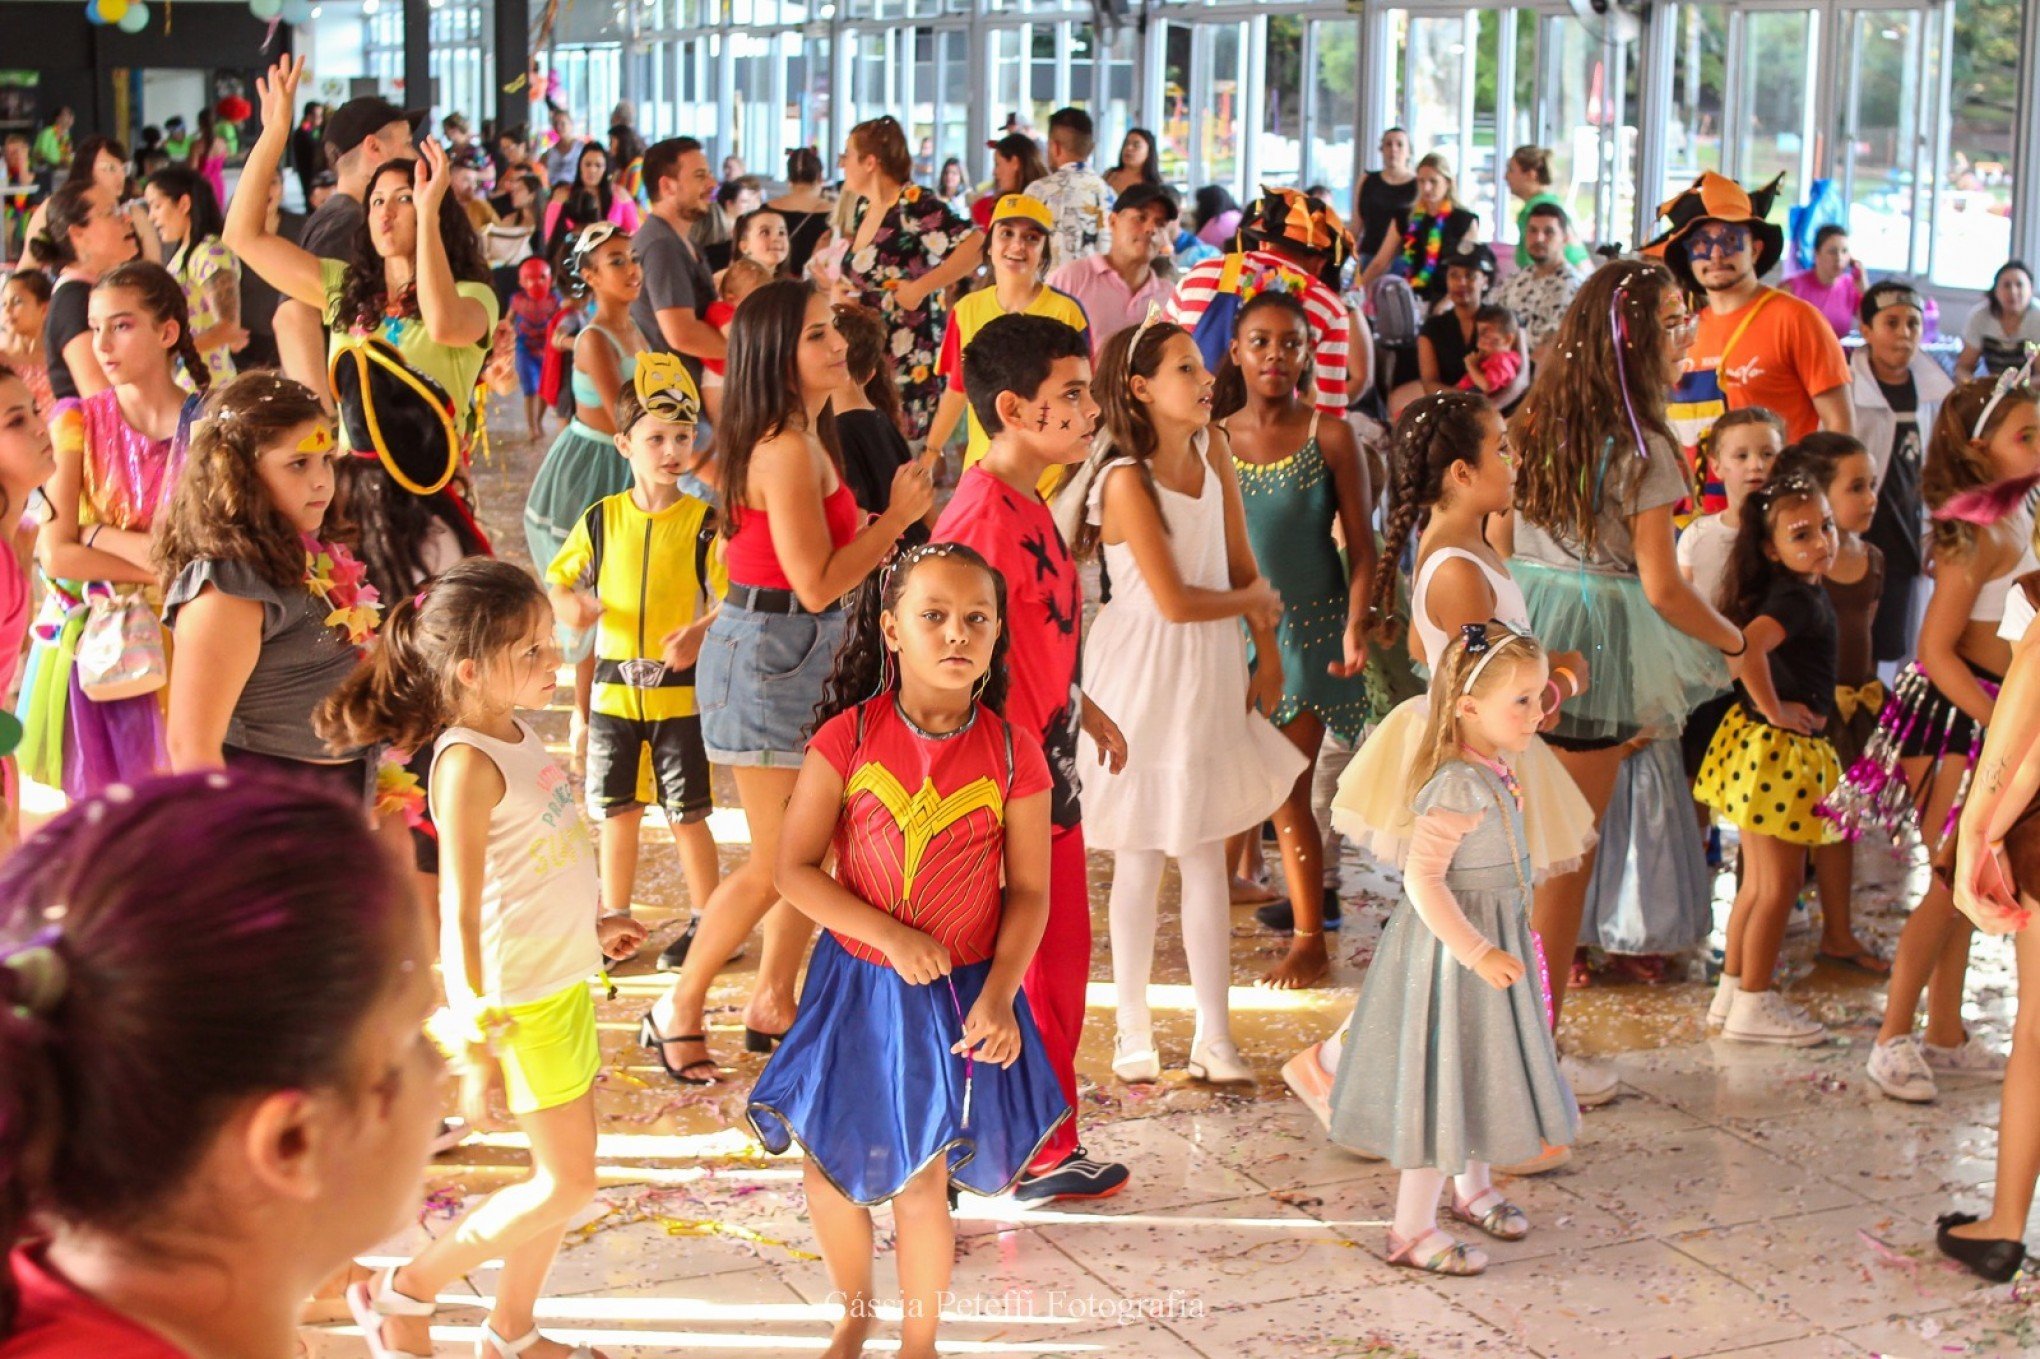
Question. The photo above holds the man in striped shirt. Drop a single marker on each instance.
(1290, 239)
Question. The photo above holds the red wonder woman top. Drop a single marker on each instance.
(923, 830)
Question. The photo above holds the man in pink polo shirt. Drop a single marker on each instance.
(1116, 287)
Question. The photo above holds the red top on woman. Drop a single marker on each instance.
(751, 556)
(56, 1321)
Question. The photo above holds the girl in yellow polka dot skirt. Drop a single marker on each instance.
(1770, 762)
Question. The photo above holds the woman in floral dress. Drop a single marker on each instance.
(906, 248)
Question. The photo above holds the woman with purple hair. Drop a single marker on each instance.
(169, 1188)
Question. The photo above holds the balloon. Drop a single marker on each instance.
(297, 11)
(112, 11)
(136, 19)
(92, 13)
(265, 10)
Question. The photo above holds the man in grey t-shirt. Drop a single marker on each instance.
(671, 311)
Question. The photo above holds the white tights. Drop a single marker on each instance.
(1207, 933)
(1416, 1198)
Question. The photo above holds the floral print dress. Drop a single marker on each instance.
(915, 238)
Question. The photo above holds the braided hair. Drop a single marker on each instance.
(1435, 432)
(162, 297)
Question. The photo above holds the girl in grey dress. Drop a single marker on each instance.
(1450, 1066)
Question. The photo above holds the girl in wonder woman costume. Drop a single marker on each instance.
(914, 1062)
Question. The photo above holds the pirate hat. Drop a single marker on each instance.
(392, 412)
(1717, 198)
(1294, 217)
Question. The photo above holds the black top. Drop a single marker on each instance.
(1803, 665)
(329, 233)
(1450, 343)
(259, 300)
(1380, 203)
(1895, 527)
(873, 450)
(803, 233)
(65, 322)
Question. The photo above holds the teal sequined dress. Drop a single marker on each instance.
(1292, 507)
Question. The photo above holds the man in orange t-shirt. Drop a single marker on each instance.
(1756, 346)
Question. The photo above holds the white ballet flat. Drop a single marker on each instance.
(1135, 1060)
(510, 1349)
(1219, 1062)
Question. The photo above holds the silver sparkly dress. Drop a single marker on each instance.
(1439, 1068)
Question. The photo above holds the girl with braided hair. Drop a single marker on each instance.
(119, 453)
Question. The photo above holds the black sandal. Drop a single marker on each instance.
(649, 1035)
(1996, 1261)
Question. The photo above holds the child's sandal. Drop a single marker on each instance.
(493, 1346)
(1503, 1220)
(1454, 1258)
(371, 1302)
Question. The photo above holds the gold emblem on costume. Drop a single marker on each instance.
(666, 390)
(921, 816)
(320, 440)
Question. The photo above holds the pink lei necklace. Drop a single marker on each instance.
(341, 582)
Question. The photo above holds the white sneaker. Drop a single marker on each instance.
(1724, 996)
(1592, 1084)
(1767, 1017)
(1971, 1059)
(1901, 1072)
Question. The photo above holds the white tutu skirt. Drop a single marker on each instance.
(1373, 805)
(1199, 765)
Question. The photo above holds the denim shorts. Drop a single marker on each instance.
(759, 680)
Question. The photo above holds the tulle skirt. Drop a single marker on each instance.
(1651, 891)
(1769, 781)
(1372, 806)
(1643, 675)
(866, 1083)
(78, 744)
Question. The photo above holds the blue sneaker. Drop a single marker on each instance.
(1078, 1177)
(1278, 916)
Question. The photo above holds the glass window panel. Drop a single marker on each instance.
(1778, 54)
(1279, 154)
(1176, 130)
(1335, 109)
(1973, 200)
(1882, 86)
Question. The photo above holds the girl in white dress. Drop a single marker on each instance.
(1167, 650)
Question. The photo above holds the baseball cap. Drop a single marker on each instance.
(355, 121)
(1020, 207)
(1472, 255)
(1142, 194)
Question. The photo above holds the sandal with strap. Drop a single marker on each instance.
(1503, 1220)
(1455, 1258)
(649, 1035)
(372, 1302)
(510, 1349)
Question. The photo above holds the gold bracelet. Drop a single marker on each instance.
(1305, 934)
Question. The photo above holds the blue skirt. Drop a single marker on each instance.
(866, 1083)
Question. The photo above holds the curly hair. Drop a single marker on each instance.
(220, 510)
(407, 691)
(162, 297)
(365, 293)
(1750, 568)
(1123, 421)
(1229, 390)
(863, 668)
(1955, 462)
(1434, 432)
(870, 359)
(1574, 426)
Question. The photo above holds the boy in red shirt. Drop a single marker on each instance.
(1028, 379)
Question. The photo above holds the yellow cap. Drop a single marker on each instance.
(1020, 207)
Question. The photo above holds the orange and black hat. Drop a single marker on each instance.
(1717, 198)
(1293, 217)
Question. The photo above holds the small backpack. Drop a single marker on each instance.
(1397, 317)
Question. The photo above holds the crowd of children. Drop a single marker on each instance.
(928, 734)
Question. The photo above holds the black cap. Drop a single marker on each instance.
(355, 121)
(1472, 255)
(1141, 194)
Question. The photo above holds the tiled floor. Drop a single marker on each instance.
(1730, 1202)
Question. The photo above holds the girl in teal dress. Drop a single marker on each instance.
(1304, 495)
(584, 464)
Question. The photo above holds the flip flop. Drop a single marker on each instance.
(1856, 961)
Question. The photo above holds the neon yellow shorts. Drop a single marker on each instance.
(550, 1056)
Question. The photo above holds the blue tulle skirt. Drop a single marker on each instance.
(1651, 891)
(865, 1082)
(1643, 674)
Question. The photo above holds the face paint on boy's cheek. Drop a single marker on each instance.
(1044, 417)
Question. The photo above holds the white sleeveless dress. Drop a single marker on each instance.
(1199, 765)
(1373, 806)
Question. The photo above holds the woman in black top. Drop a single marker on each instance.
(867, 408)
(84, 235)
(804, 206)
(1386, 195)
(1417, 248)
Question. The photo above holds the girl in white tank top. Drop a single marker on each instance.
(520, 937)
